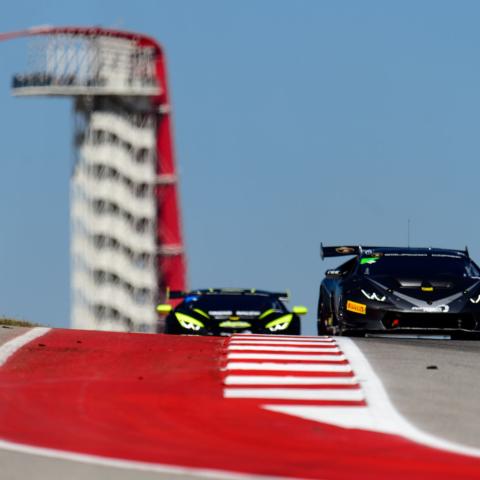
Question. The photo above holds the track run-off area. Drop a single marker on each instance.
(116, 405)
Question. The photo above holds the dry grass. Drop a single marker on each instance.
(10, 322)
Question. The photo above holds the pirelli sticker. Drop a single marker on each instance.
(356, 307)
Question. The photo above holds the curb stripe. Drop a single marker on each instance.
(267, 348)
(238, 341)
(239, 336)
(10, 347)
(294, 393)
(289, 380)
(289, 367)
(338, 358)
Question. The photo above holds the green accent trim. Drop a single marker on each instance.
(266, 312)
(188, 322)
(368, 260)
(201, 312)
(280, 323)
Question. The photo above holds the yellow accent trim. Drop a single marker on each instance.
(427, 289)
(356, 307)
(201, 312)
(300, 310)
(188, 322)
(266, 312)
(164, 308)
(280, 323)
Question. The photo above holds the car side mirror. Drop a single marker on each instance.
(333, 273)
(300, 310)
(164, 309)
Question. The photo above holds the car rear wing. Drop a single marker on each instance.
(177, 294)
(342, 250)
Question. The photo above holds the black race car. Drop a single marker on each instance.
(393, 289)
(225, 311)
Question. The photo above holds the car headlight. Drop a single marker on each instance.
(188, 322)
(374, 296)
(281, 323)
(475, 300)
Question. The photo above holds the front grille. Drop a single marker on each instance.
(433, 321)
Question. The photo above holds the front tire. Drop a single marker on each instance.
(326, 324)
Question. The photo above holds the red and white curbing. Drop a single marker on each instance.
(248, 421)
(302, 375)
(327, 380)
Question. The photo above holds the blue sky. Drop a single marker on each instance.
(295, 122)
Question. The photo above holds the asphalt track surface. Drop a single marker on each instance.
(433, 383)
(90, 384)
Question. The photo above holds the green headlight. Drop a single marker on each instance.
(188, 322)
(281, 323)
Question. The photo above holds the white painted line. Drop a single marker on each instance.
(385, 416)
(280, 337)
(255, 348)
(10, 347)
(276, 342)
(287, 380)
(290, 367)
(345, 417)
(124, 464)
(285, 356)
(337, 395)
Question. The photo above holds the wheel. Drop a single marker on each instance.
(171, 327)
(294, 328)
(326, 324)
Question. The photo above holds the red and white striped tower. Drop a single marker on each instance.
(126, 240)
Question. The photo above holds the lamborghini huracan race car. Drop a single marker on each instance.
(226, 311)
(393, 289)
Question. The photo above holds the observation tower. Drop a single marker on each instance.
(126, 239)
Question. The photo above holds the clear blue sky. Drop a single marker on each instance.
(295, 122)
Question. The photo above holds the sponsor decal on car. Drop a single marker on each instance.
(234, 324)
(356, 307)
(345, 250)
(436, 309)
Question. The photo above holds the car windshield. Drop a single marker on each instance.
(417, 265)
(236, 302)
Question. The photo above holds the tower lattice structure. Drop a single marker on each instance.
(126, 240)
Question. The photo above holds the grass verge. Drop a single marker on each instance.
(10, 322)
